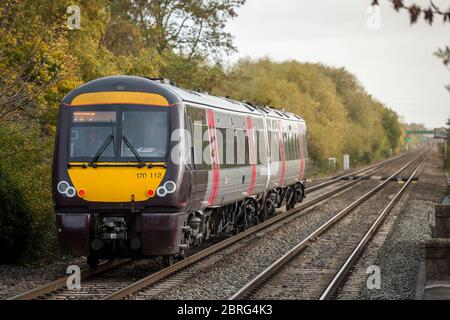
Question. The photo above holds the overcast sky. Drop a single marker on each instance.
(394, 63)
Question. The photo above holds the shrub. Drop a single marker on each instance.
(27, 229)
(15, 222)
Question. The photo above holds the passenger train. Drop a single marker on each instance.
(143, 168)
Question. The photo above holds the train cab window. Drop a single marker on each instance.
(89, 131)
(146, 132)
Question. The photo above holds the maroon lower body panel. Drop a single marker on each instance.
(74, 233)
(162, 233)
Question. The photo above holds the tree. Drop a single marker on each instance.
(416, 11)
(34, 62)
(392, 127)
(187, 26)
(341, 117)
(19, 82)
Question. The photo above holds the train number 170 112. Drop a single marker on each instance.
(153, 175)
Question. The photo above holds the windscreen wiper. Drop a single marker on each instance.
(101, 149)
(136, 154)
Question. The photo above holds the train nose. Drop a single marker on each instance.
(116, 184)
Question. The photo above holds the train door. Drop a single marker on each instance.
(196, 124)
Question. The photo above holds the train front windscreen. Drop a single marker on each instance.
(119, 134)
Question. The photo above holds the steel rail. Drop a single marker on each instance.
(260, 278)
(339, 178)
(61, 282)
(159, 275)
(356, 253)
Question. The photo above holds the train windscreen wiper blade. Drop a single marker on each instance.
(136, 154)
(101, 149)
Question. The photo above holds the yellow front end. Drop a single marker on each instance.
(116, 183)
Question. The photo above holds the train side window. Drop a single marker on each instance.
(247, 151)
(231, 144)
(290, 155)
(235, 145)
(260, 142)
(242, 142)
(293, 144)
(188, 126)
(275, 142)
(289, 146)
(260, 147)
(221, 136)
(206, 149)
(305, 145)
(198, 119)
(283, 139)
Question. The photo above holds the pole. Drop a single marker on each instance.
(445, 154)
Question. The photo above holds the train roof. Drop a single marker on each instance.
(206, 99)
(175, 94)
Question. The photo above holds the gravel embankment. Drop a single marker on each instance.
(306, 276)
(398, 247)
(16, 279)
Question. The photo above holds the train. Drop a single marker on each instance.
(143, 168)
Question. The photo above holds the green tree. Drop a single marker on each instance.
(341, 117)
(185, 27)
(36, 67)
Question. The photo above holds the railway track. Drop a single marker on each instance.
(335, 179)
(120, 279)
(295, 275)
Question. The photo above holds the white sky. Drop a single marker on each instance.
(394, 63)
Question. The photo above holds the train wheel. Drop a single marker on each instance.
(251, 213)
(290, 201)
(298, 194)
(168, 260)
(92, 262)
(271, 204)
(269, 208)
(289, 206)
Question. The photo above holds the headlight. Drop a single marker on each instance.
(168, 187)
(161, 192)
(64, 187)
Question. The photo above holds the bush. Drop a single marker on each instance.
(15, 222)
(27, 223)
